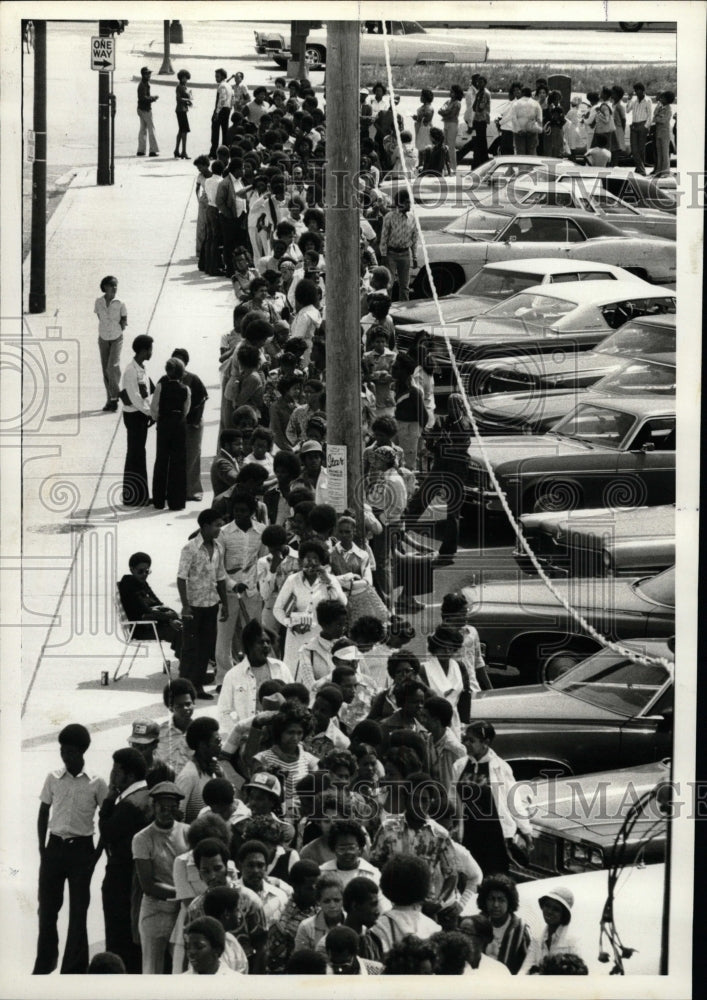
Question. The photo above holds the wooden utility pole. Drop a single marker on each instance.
(343, 327)
(166, 67)
(37, 294)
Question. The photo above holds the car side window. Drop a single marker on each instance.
(538, 230)
(574, 233)
(658, 431)
(596, 276)
(558, 279)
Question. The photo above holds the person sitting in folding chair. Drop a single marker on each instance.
(141, 604)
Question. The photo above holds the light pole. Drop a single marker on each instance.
(166, 67)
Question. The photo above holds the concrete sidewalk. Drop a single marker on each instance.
(76, 536)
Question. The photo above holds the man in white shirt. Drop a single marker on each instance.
(238, 699)
(222, 111)
(641, 111)
(387, 496)
(112, 320)
(526, 123)
(137, 388)
(242, 546)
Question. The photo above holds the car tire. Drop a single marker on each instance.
(448, 278)
(631, 25)
(315, 56)
(280, 62)
(553, 497)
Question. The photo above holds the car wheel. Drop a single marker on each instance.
(448, 278)
(558, 664)
(639, 272)
(631, 25)
(314, 56)
(280, 62)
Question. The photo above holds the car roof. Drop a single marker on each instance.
(599, 292)
(554, 265)
(545, 210)
(639, 406)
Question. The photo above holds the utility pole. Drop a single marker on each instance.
(37, 287)
(103, 174)
(166, 67)
(343, 326)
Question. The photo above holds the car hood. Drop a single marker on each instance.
(531, 407)
(562, 365)
(595, 803)
(522, 446)
(580, 592)
(454, 307)
(644, 522)
(534, 702)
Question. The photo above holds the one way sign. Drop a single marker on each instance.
(102, 54)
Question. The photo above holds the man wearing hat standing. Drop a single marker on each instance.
(154, 850)
(145, 738)
(68, 804)
(144, 113)
(314, 474)
(126, 811)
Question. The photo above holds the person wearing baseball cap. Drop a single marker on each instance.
(154, 851)
(145, 737)
(314, 475)
(144, 113)
(555, 939)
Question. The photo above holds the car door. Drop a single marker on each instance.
(531, 236)
(647, 463)
(649, 736)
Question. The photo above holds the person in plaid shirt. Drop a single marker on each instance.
(413, 832)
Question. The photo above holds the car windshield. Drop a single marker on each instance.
(499, 285)
(639, 377)
(596, 425)
(476, 225)
(660, 588)
(636, 339)
(542, 310)
(614, 683)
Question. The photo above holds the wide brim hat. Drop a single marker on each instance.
(560, 895)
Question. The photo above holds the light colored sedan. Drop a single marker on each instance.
(462, 248)
(580, 191)
(408, 42)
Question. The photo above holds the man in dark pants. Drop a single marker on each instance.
(68, 804)
(137, 388)
(195, 425)
(125, 811)
(201, 581)
(233, 212)
(222, 111)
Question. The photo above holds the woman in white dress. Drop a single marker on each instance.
(296, 604)
(441, 672)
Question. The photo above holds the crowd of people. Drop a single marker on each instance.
(337, 810)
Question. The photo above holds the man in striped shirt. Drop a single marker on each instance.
(398, 243)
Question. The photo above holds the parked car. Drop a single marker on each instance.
(497, 282)
(609, 452)
(462, 248)
(408, 42)
(486, 184)
(587, 194)
(641, 337)
(524, 627)
(535, 411)
(561, 319)
(576, 821)
(605, 712)
(622, 542)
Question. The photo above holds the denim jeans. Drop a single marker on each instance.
(110, 364)
(147, 130)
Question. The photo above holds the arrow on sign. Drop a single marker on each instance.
(103, 63)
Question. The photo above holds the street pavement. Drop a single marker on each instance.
(76, 537)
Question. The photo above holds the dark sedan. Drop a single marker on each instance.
(538, 410)
(525, 627)
(610, 452)
(606, 712)
(576, 821)
(640, 337)
(598, 542)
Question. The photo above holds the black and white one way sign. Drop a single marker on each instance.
(102, 54)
